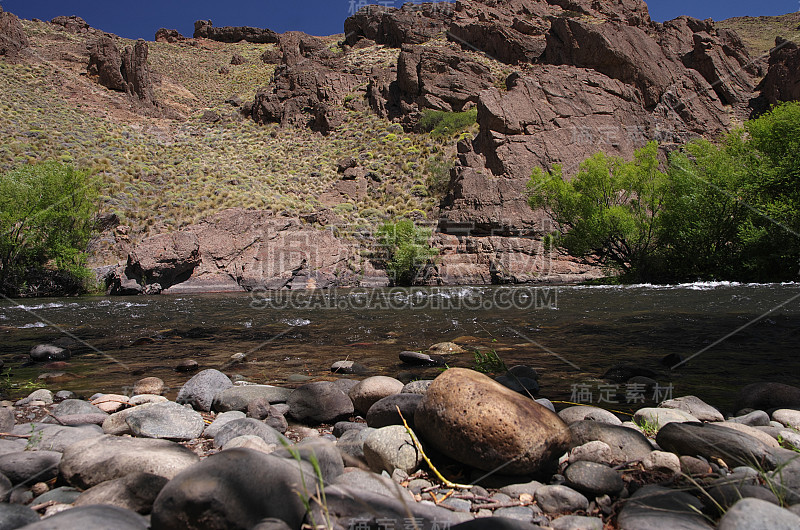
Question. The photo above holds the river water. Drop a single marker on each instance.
(732, 334)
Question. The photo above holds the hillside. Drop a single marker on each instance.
(212, 149)
(759, 32)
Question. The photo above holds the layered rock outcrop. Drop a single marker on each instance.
(410, 24)
(169, 35)
(205, 29)
(239, 250)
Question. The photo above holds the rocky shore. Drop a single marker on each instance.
(337, 454)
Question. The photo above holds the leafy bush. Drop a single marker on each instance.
(46, 213)
(443, 124)
(727, 211)
(405, 250)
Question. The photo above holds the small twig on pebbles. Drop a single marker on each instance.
(10, 435)
(43, 505)
(496, 506)
(59, 421)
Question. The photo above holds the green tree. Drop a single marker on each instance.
(610, 211)
(46, 213)
(404, 249)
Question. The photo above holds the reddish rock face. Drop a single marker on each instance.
(205, 29)
(12, 35)
(782, 82)
(481, 423)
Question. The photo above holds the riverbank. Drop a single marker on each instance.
(336, 453)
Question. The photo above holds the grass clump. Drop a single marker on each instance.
(443, 124)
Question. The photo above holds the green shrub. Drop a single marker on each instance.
(46, 213)
(443, 124)
(404, 249)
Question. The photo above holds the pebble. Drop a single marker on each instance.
(787, 417)
(577, 522)
(595, 451)
(658, 417)
(694, 406)
(757, 418)
(581, 412)
(149, 385)
(390, 448)
(663, 462)
(750, 513)
(202, 388)
(560, 499)
(319, 402)
(593, 479)
(370, 390)
(348, 367)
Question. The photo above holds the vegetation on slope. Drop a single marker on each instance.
(759, 33)
(159, 175)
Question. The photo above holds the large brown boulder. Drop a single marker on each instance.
(12, 35)
(72, 23)
(169, 35)
(410, 24)
(105, 63)
(479, 422)
(782, 82)
(205, 29)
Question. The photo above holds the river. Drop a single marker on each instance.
(732, 334)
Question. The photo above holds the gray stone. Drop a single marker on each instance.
(323, 451)
(787, 417)
(46, 437)
(581, 412)
(238, 397)
(12, 445)
(560, 499)
(42, 395)
(95, 517)
(234, 489)
(6, 419)
(416, 358)
(249, 441)
(319, 402)
(546, 403)
(135, 492)
(391, 448)
(13, 516)
(372, 389)
(27, 467)
(420, 386)
(756, 432)
(384, 411)
(694, 406)
(757, 418)
(659, 417)
(247, 426)
(142, 399)
(662, 462)
(626, 445)
(750, 513)
(658, 507)
(149, 385)
(74, 420)
(165, 420)
(61, 395)
(494, 523)
(577, 522)
(596, 451)
(593, 479)
(45, 353)
(117, 423)
(726, 494)
(61, 495)
(221, 419)
(519, 513)
(350, 503)
(5, 487)
(258, 409)
(373, 482)
(341, 427)
(345, 384)
(351, 443)
(271, 523)
(713, 441)
(515, 490)
(348, 367)
(458, 505)
(200, 390)
(95, 460)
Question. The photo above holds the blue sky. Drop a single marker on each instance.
(141, 18)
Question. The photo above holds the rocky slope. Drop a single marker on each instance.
(553, 82)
